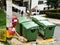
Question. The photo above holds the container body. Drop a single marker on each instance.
(19, 28)
(47, 32)
(30, 31)
(19, 25)
(36, 19)
(46, 28)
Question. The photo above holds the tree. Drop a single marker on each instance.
(2, 3)
(53, 3)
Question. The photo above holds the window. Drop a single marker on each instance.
(40, 2)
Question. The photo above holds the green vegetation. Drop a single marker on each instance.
(2, 19)
(53, 3)
(55, 13)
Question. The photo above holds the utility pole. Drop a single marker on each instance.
(30, 7)
(1, 4)
(9, 13)
(33, 5)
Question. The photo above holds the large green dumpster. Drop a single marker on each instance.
(38, 18)
(46, 29)
(30, 31)
(19, 25)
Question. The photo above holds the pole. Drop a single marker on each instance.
(9, 13)
(30, 7)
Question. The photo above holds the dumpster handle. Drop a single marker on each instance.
(33, 30)
(50, 28)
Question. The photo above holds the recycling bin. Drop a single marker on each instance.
(46, 29)
(38, 18)
(19, 25)
(30, 31)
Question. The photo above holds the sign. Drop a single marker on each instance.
(9, 13)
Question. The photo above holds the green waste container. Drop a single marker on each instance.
(30, 31)
(46, 28)
(19, 25)
(38, 18)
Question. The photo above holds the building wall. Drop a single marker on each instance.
(28, 0)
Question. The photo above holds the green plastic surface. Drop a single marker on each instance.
(38, 18)
(46, 29)
(19, 25)
(23, 19)
(47, 23)
(30, 31)
(29, 25)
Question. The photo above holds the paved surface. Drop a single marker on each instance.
(56, 32)
(56, 21)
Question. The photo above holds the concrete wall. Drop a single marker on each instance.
(25, 0)
(28, 0)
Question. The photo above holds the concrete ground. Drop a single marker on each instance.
(56, 32)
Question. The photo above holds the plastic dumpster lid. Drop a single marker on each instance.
(36, 16)
(47, 23)
(29, 25)
(23, 19)
(39, 17)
